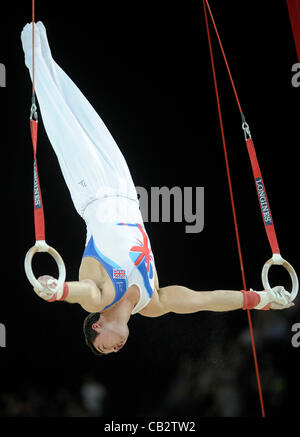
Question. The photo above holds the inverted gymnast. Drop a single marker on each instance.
(117, 275)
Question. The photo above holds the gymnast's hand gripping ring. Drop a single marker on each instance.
(278, 260)
(42, 246)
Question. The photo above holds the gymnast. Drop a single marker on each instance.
(117, 275)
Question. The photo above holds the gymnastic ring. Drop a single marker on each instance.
(42, 246)
(278, 260)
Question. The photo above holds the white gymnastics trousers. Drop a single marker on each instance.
(93, 166)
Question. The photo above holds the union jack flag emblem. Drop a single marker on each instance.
(119, 273)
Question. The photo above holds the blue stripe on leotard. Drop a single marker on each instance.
(120, 285)
(142, 268)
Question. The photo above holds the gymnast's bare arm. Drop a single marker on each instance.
(84, 292)
(182, 300)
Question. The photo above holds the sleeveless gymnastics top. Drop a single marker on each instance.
(124, 251)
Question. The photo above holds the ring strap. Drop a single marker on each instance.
(262, 197)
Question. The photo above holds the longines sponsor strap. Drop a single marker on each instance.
(261, 191)
(39, 220)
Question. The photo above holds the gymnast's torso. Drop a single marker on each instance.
(118, 255)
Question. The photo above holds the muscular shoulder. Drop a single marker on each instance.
(90, 268)
(155, 307)
(101, 289)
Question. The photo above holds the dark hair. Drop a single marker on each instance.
(89, 333)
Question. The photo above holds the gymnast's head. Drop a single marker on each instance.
(104, 336)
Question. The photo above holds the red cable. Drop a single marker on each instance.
(223, 53)
(205, 2)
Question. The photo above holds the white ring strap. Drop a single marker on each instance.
(42, 246)
(278, 260)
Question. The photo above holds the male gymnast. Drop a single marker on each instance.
(117, 275)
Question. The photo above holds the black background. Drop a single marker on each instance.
(145, 68)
